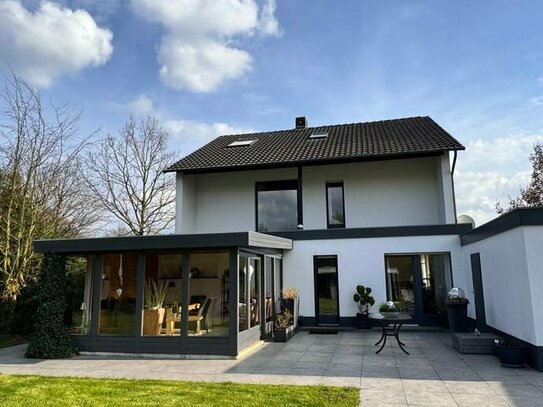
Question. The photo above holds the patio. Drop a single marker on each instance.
(434, 373)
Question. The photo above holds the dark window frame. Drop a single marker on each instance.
(282, 185)
(335, 184)
(316, 291)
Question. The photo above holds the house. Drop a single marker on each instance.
(321, 209)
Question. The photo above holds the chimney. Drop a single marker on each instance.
(301, 122)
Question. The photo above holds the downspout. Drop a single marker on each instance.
(300, 198)
(452, 183)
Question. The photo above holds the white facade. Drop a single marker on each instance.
(512, 274)
(415, 191)
(361, 261)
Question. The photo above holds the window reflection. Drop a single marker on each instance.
(335, 204)
(118, 294)
(209, 294)
(162, 295)
(277, 206)
(78, 295)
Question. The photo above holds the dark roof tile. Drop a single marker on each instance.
(356, 141)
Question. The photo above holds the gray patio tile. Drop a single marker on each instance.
(430, 399)
(323, 358)
(390, 372)
(309, 368)
(386, 397)
(379, 383)
(504, 378)
(343, 370)
(350, 349)
(343, 381)
(412, 361)
(418, 372)
(430, 386)
(506, 389)
(469, 387)
(321, 348)
(524, 401)
(379, 360)
(480, 400)
(346, 358)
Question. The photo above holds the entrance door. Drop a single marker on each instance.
(326, 290)
(419, 283)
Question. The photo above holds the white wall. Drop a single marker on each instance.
(511, 268)
(378, 193)
(360, 261)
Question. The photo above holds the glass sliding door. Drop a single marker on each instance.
(419, 284)
(401, 282)
(326, 290)
(249, 292)
(436, 282)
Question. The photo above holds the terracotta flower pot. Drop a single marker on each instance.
(152, 321)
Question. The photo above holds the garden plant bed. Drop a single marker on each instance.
(63, 391)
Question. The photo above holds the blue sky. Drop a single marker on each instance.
(474, 67)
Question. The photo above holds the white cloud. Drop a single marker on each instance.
(142, 106)
(53, 41)
(268, 23)
(185, 135)
(197, 52)
(538, 100)
(200, 66)
(189, 135)
(491, 170)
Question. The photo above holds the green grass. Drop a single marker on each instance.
(10, 340)
(63, 391)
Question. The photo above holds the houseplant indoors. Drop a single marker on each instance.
(283, 328)
(364, 300)
(153, 314)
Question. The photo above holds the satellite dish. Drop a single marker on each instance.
(465, 219)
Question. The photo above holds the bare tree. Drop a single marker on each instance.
(532, 195)
(39, 172)
(125, 174)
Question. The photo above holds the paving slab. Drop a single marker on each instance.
(434, 374)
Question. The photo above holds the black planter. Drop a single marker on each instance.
(362, 321)
(283, 335)
(293, 305)
(510, 355)
(458, 317)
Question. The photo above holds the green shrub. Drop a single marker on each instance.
(50, 338)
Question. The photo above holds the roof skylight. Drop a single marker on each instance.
(241, 143)
(318, 134)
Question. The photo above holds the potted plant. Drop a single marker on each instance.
(457, 310)
(364, 300)
(389, 310)
(283, 328)
(290, 300)
(510, 352)
(153, 314)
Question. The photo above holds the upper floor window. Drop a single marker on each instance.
(335, 205)
(277, 205)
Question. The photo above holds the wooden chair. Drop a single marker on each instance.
(195, 321)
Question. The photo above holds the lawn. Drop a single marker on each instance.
(62, 391)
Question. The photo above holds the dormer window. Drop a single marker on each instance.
(241, 143)
(318, 135)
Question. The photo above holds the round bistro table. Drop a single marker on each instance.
(390, 327)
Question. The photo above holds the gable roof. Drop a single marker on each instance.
(397, 138)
